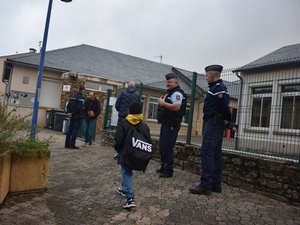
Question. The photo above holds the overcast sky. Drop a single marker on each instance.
(189, 34)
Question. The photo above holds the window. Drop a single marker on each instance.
(98, 86)
(25, 80)
(185, 118)
(50, 93)
(261, 106)
(152, 110)
(290, 117)
(23, 99)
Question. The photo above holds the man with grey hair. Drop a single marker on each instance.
(124, 99)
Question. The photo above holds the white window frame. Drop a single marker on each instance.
(153, 98)
(25, 80)
(188, 108)
(261, 96)
(100, 86)
(287, 94)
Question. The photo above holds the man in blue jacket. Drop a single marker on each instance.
(125, 98)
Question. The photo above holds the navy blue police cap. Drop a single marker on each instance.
(171, 76)
(215, 68)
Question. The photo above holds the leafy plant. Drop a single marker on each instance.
(12, 125)
(31, 148)
(14, 135)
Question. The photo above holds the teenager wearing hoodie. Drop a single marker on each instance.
(134, 118)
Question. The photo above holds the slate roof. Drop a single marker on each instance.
(161, 85)
(234, 88)
(112, 65)
(288, 55)
(100, 62)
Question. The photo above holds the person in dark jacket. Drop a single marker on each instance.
(216, 116)
(75, 109)
(171, 116)
(124, 99)
(134, 118)
(92, 109)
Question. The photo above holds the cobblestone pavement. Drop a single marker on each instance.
(82, 190)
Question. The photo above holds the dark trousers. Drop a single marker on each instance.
(168, 136)
(211, 154)
(72, 133)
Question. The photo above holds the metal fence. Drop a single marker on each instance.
(266, 106)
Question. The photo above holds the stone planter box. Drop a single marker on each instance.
(28, 175)
(4, 174)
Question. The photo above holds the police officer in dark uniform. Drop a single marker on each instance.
(170, 115)
(75, 109)
(216, 116)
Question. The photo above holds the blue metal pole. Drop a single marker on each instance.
(40, 75)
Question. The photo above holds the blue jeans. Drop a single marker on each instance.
(89, 127)
(211, 155)
(127, 184)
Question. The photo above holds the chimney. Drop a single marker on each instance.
(32, 50)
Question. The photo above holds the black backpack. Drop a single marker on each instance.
(138, 149)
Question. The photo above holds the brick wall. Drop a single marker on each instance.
(75, 83)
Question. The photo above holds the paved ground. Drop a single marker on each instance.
(82, 190)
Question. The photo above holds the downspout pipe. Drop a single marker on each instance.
(239, 110)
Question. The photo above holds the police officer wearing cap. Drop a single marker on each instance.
(216, 116)
(170, 116)
(75, 110)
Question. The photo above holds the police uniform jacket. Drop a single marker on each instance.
(169, 117)
(76, 106)
(216, 102)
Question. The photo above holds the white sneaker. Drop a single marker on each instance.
(120, 191)
(129, 204)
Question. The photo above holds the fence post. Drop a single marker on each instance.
(239, 112)
(191, 113)
(141, 86)
(106, 120)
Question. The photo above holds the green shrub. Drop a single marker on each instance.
(12, 126)
(15, 135)
(31, 148)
